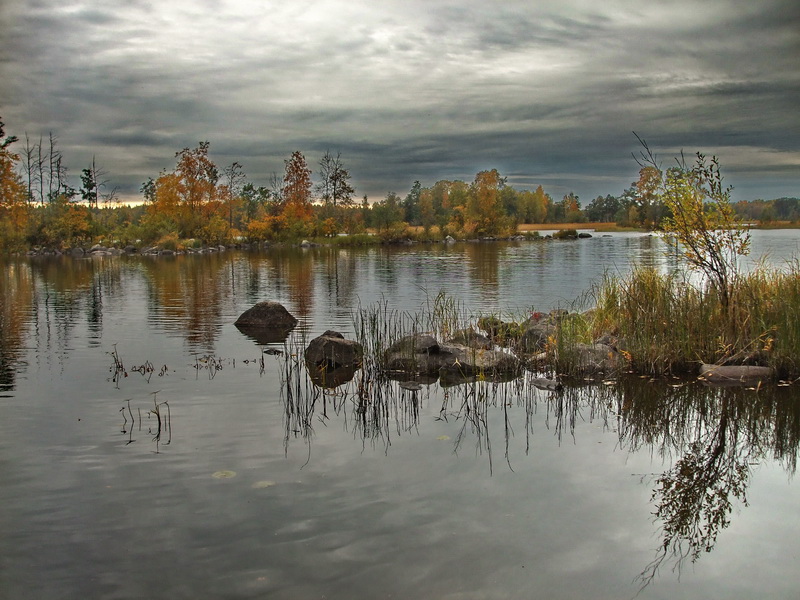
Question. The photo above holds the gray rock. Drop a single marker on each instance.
(267, 314)
(535, 334)
(473, 339)
(466, 361)
(596, 358)
(417, 353)
(331, 351)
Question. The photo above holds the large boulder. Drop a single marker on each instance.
(266, 323)
(268, 315)
(331, 351)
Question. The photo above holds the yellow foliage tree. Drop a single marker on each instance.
(484, 211)
(14, 208)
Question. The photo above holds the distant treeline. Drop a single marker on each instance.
(198, 203)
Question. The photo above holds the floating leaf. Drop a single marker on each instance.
(443, 438)
(223, 474)
(260, 485)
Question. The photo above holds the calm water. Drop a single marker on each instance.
(474, 491)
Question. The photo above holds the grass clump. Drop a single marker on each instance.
(665, 323)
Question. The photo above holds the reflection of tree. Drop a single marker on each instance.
(484, 260)
(15, 305)
(717, 435)
(292, 269)
(190, 293)
(694, 498)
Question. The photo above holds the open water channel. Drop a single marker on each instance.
(191, 473)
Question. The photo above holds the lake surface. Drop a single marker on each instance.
(206, 468)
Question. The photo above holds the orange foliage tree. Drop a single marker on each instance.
(297, 194)
(186, 198)
(14, 208)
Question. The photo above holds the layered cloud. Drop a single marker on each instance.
(547, 92)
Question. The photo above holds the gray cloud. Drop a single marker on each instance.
(546, 92)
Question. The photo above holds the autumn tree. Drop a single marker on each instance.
(182, 197)
(427, 213)
(646, 197)
(296, 193)
(484, 210)
(702, 219)
(572, 208)
(13, 195)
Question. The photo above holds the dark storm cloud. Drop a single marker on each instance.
(547, 92)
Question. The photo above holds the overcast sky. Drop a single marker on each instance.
(546, 92)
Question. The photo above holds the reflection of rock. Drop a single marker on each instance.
(547, 384)
(265, 335)
(453, 377)
(331, 351)
(267, 314)
(734, 374)
(330, 378)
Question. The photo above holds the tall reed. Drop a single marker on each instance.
(666, 322)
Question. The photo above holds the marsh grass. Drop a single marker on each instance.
(668, 323)
(378, 326)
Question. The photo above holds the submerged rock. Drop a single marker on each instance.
(543, 383)
(735, 374)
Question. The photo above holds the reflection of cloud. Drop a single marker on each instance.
(405, 90)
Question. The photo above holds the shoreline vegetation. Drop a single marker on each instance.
(643, 324)
(198, 204)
